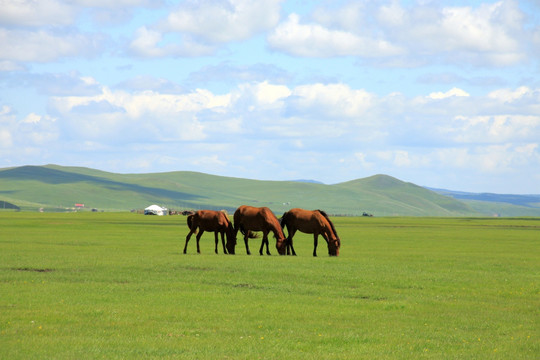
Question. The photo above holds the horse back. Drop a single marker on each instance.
(211, 220)
(255, 218)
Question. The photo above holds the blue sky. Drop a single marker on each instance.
(439, 93)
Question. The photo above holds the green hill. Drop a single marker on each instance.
(53, 187)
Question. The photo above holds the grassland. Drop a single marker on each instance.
(116, 286)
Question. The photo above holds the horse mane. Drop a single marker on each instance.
(330, 222)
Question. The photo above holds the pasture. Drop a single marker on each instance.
(116, 285)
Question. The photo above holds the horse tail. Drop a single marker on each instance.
(330, 222)
(251, 234)
(190, 223)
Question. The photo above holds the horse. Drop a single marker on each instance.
(210, 220)
(248, 219)
(311, 222)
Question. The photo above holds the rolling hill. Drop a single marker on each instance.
(53, 187)
(497, 204)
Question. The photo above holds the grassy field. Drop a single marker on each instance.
(116, 286)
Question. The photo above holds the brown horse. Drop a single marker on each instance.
(311, 222)
(210, 220)
(248, 219)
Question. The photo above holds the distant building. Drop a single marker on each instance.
(155, 210)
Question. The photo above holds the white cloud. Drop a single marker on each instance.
(150, 43)
(262, 95)
(223, 21)
(509, 95)
(267, 93)
(32, 118)
(138, 116)
(198, 28)
(6, 140)
(44, 46)
(116, 3)
(36, 13)
(334, 100)
(489, 33)
(314, 40)
(495, 129)
(343, 125)
(449, 93)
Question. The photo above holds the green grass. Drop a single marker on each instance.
(116, 286)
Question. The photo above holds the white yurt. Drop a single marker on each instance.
(155, 210)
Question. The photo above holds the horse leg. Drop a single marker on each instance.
(223, 243)
(315, 241)
(246, 242)
(267, 250)
(290, 242)
(199, 238)
(187, 240)
(264, 241)
(216, 238)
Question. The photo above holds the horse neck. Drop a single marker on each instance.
(275, 227)
(331, 230)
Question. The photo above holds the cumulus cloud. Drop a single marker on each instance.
(48, 30)
(334, 100)
(314, 40)
(72, 83)
(19, 137)
(350, 128)
(449, 93)
(198, 28)
(495, 129)
(37, 13)
(305, 113)
(150, 43)
(138, 116)
(45, 46)
(487, 34)
(228, 72)
(223, 21)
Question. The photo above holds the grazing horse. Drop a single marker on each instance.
(311, 222)
(210, 220)
(248, 219)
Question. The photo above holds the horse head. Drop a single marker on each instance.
(333, 247)
(281, 246)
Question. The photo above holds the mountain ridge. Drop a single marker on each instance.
(56, 187)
